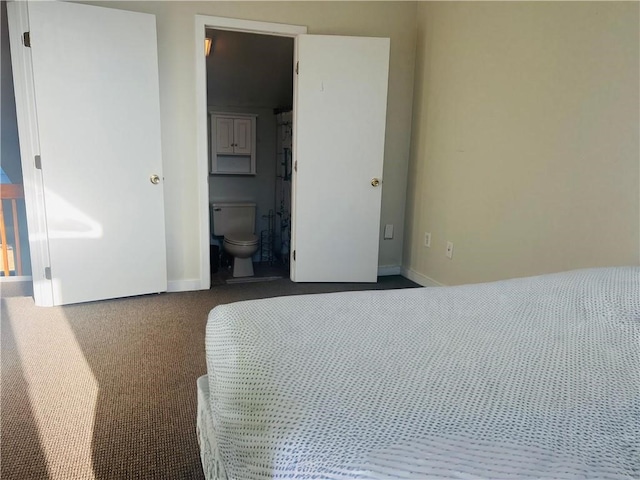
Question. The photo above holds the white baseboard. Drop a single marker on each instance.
(21, 278)
(419, 278)
(386, 270)
(184, 285)
(383, 271)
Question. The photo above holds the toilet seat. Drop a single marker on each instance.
(241, 239)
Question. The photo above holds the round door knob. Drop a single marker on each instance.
(375, 182)
(155, 179)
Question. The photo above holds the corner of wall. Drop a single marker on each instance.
(419, 278)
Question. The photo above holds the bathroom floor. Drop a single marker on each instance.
(263, 272)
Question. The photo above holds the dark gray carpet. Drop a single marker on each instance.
(106, 390)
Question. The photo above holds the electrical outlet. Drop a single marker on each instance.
(449, 250)
(427, 239)
(388, 231)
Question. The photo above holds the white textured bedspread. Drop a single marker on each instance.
(528, 378)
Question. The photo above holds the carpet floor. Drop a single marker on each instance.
(107, 390)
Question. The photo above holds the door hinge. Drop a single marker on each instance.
(294, 255)
(38, 162)
(26, 39)
(297, 67)
(47, 273)
(295, 165)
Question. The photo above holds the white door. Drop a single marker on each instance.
(95, 74)
(340, 115)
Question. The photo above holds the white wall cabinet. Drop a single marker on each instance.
(233, 144)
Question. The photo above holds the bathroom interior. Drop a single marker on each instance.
(249, 99)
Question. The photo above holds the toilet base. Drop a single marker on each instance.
(242, 267)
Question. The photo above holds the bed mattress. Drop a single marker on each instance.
(528, 378)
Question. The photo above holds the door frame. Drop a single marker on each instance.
(18, 20)
(202, 22)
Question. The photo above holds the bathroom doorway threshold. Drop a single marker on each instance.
(254, 279)
(263, 272)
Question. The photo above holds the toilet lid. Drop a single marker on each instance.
(241, 239)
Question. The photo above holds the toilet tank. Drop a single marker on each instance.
(230, 217)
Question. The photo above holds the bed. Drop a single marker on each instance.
(535, 377)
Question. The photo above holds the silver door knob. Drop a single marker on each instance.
(155, 179)
(375, 182)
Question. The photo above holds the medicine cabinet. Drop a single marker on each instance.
(233, 144)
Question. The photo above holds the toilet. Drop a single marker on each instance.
(236, 222)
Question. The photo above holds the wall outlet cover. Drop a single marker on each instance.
(449, 250)
(427, 239)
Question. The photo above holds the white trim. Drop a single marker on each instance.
(201, 23)
(250, 26)
(386, 270)
(18, 19)
(233, 114)
(419, 278)
(21, 278)
(202, 156)
(294, 160)
(188, 285)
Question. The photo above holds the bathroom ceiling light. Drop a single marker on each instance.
(208, 42)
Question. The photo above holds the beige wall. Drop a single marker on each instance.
(175, 21)
(525, 139)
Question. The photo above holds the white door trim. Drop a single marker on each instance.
(221, 23)
(18, 19)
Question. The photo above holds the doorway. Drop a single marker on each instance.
(250, 85)
(264, 30)
(339, 120)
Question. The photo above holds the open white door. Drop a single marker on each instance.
(95, 81)
(340, 115)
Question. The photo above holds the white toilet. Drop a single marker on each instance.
(236, 221)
